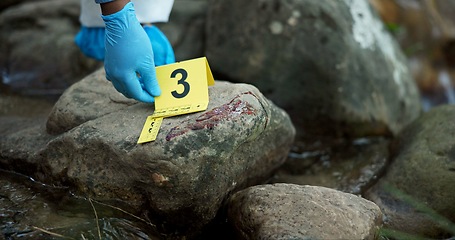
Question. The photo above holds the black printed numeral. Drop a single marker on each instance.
(186, 85)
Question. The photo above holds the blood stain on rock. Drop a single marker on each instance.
(229, 111)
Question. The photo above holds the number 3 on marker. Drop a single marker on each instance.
(186, 85)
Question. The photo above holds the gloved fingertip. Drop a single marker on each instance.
(155, 91)
(150, 83)
(144, 97)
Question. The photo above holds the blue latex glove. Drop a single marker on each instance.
(129, 60)
(91, 41)
(162, 48)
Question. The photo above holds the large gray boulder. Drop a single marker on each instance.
(421, 174)
(287, 211)
(38, 53)
(330, 64)
(182, 178)
(87, 100)
(8, 3)
(186, 28)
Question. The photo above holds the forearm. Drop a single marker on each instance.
(113, 6)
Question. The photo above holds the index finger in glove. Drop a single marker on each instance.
(133, 89)
(150, 82)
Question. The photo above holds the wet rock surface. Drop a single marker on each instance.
(330, 64)
(183, 177)
(421, 174)
(351, 166)
(287, 211)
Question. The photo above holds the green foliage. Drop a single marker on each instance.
(393, 28)
(443, 222)
(388, 234)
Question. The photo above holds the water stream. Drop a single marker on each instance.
(31, 210)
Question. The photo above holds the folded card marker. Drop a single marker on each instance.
(184, 89)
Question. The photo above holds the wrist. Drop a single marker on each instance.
(113, 7)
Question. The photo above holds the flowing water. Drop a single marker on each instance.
(31, 210)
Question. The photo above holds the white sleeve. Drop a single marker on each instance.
(147, 11)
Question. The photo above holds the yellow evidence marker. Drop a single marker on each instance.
(184, 89)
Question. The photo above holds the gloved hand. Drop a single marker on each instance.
(162, 48)
(129, 62)
(90, 41)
